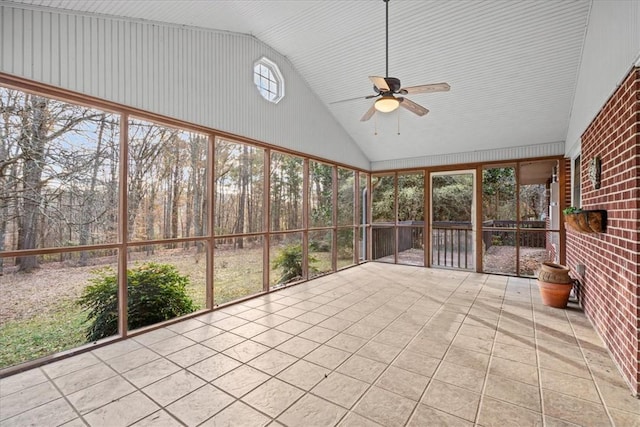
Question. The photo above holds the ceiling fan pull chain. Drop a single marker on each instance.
(375, 125)
(398, 122)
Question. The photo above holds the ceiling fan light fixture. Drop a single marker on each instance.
(387, 104)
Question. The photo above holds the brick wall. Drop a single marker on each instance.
(611, 287)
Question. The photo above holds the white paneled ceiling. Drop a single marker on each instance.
(512, 65)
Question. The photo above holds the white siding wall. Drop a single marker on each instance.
(612, 47)
(479, 156)
(199, 76)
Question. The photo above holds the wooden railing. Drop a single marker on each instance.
(452, 244)
(452, 241)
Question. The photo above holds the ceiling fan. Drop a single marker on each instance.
(386, 88)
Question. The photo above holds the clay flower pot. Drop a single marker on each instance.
(555, 284)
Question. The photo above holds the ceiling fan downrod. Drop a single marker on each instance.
(387, 38)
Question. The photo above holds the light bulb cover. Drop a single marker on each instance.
(387, 104)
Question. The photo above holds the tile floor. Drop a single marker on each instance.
(372, 345)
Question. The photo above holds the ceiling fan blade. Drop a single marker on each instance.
(380, 83)
(435, 87)
(369, 113)
(412, 106)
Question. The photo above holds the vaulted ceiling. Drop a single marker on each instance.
(512, 65)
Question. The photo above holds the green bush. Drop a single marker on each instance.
(156, 292)
(289, 260)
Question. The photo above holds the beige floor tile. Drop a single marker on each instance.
(173, 387)
(568, 384)
(336, 324)
(362, 330)
(76, 422)
(623, 418)
(293, 326)
(199, 405)
(312, 318)
(404, 383)
(473, 343)
(212, 317)
(171, 345)
(123, 411)
(340, 389)
(461, 376)
(497, 413)
(355, 420)
(97, 395)
(350, 315)
(619, 398)
(417, 363)
(272, 337)
(72, 364)
(223, 341)
(514, 370)
(237, 415)
(429, 347)
(249, 330)
(151, 372)
(252, 314)
(246, 351)
(129, 361)
(574, 410)
(272, 320)
(191, 355)
(516, 353)
(273, 397)
(380, 352)
(303, 374)
(298, 347)
(328, 357)
(214, 367)
(149, 338)
(53, 413)
(555, 422)
(515, 340)
(515, 392)
(203, 333)
(229, 323)
(427, 416)
(384, 407)
(27, 399)
(318, 334)
(21, 381)
(481, 332)
(241, 380)
(158, 419)
(346, 342)
(185, 326)
(468, 358)
(361, 368)
(557, 361)
(272, 362)
(291, 312)
(84, 378)
(312, 411)
(451, 399)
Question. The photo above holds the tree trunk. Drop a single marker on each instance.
(33, 152)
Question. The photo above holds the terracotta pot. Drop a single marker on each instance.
(555, 294)
(554, 273)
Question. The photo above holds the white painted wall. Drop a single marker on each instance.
(199, 76)
(612, 47)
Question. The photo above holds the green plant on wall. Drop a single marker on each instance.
(156, 292)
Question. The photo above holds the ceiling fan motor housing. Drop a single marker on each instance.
(392, 82)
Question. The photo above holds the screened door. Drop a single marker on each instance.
(453, 220)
